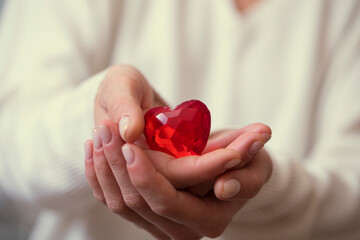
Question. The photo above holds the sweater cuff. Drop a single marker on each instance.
(72, 184)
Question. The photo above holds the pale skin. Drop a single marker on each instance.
(152, 189)
(245, 5)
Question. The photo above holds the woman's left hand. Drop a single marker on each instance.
(155, 182)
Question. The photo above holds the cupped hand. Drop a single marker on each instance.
(128, 189)
(149, 190)
(241, 139)
(208, 215)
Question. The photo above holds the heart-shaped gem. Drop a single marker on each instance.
(180, 132)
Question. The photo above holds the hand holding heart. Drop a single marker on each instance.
(123, 97)
(143, 185)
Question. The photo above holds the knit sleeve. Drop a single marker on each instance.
(53, 57)
(318, 196)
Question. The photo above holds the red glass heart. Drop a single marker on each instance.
(180, 132)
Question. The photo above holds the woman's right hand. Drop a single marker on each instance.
(123, 97)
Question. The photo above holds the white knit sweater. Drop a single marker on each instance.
(294, 65)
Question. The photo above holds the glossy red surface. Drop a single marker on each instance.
(180, 132)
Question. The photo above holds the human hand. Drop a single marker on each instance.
(113, 185)
(123, 96)
(226, 138)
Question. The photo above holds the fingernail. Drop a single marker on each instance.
(104, 133)
(96, 139)
(231, 188)
(255, 147)
(128, 154)
(123, 125)
(232, 163)
(88, 150)
(266, 136)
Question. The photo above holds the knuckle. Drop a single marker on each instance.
(114, 157)
(123, 103)
(116, 206)
(123, 72)
(99, 197)
(115, 163)
(142, 183)
(135, 202)
(115, 109)
(163, 210)
(101, 168)
(90, 175)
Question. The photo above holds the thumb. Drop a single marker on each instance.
(124, 95)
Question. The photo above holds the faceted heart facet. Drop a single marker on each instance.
(180, 132)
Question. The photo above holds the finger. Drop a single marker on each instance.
(246, 182)
(111, 146)
(131, 197)
(165, 201)
(90, 172)
(223, 138)
(247, 145)
(201, 189)
(111, 192)
(113, 158)
(105, 176)
(127, 95)
(192, 170)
